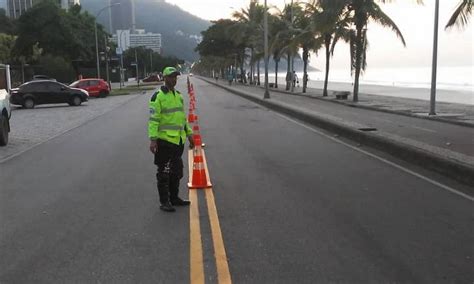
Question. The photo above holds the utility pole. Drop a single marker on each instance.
(151, 61)
(136, 68)
(107, 62)
(96, 41)
(265, 28)
(292, 67)
(435, 62)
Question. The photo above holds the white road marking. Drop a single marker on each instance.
(445, 187)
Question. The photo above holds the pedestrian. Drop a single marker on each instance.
(167, 130)
(295, 79)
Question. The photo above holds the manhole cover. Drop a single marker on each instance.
(368, 129)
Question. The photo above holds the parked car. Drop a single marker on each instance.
(5, 110)
(95, 87)
(152, 78)
(47, 92)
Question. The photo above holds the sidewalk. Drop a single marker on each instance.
(394, 125)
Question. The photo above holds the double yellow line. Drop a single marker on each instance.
(196, 253)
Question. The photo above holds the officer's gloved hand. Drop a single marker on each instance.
(191, 142)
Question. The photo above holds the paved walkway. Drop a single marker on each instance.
(462, 114)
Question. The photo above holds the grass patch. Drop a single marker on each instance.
(129, 90)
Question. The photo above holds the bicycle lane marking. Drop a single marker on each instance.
(195, 248)
(222, 266)
(223, 273)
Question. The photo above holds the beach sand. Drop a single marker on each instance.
(450, 96)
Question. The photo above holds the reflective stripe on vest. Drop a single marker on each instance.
(171, 110)
(170, 127)
(154, 119)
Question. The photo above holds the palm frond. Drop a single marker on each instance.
(378, 16)
(461, 15)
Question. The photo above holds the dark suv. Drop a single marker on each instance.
(47, 92)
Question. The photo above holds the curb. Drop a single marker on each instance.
(440, 119)
(422, 156)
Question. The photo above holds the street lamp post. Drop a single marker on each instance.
(265, 28)
(96, 41)
(292, 60)
(122, 77)
(435, 62)
(136, 67)
(107, 49)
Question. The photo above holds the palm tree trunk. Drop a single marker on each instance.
(251, 67)
(305, 67)
(242, 73)
(358, 63)
(288, 74)
(258, 72)
(276, 72)
(327, 42)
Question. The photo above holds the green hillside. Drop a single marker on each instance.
(175, 25)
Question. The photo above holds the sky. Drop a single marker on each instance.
(416, 23)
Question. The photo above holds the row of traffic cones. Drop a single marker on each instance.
(199, 178)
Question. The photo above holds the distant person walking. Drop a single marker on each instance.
(295, 79)
(167, 130)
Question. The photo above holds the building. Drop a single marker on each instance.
(122, 17)
(125, 40)
(15, 8)
(66, 4)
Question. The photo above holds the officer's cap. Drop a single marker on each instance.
(170, 71)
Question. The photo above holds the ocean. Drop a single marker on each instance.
(454, 84)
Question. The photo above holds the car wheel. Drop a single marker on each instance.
(76, 101)
(102, 94)
(3, 130)
(29, 103)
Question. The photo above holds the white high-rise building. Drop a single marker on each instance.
(125, 39)
(15, 8)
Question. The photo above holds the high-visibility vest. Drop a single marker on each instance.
(167, 117)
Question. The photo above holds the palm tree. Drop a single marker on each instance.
(308, 38)
(327, 19)
(361, 12)
(252, 20)
(277, 45)
(461, 15)
(288, 37)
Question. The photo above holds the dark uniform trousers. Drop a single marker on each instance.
(170, 169)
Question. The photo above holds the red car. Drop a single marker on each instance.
(95, 87)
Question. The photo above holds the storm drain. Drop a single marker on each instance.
(367, 129)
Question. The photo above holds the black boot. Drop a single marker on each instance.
(174, 190)
(167, 207)
(180, 202)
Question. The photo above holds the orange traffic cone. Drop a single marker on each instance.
(197, 136)
(199, 177)
(192, 117)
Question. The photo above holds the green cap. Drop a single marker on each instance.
(170, 71)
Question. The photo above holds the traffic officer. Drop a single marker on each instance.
(167, 130)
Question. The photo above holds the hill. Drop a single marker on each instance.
(179, 29)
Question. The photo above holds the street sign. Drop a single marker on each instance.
(118, 51)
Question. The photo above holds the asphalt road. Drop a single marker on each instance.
(294, 206)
